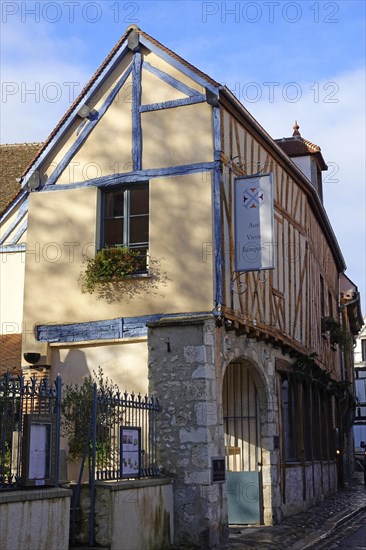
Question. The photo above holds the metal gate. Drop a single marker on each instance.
(242, 445)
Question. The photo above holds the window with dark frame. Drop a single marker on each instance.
(315, 422)
(308, 421)
(330, 304)
(125, 218)
(324, 424)
(307, 424)
(360, 387)
(322, 300)
(331, 428)
(363, 349)
(288, 394)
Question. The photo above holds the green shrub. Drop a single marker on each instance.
(77, 407)
(111, 265)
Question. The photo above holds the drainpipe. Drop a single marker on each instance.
(340, 310)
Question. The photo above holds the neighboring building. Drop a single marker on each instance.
(228, 333)
(351, 322)
(359, 429)
(14, 159)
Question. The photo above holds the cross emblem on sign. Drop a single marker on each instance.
(253, 197)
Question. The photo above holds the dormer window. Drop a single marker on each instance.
(307, 156)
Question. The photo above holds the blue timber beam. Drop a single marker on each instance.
(136, 116)
(22, 229)
(23, 209)
(111, 329)
(169, 79)
(10, 248)
(217, 208)
(23, 194)
(173, 103)
(87, 129)
(138, 176)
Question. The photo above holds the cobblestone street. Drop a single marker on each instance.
(319, 528)
(350, 535)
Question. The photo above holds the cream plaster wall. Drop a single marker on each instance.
(11, 292)
(155, 90)
(182, 135)
(64, 225)
(125, 363)
(159, 63)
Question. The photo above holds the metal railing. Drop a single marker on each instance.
(123, 435)
(19, 397)
(121, 444)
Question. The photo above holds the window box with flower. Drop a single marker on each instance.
(112, 265)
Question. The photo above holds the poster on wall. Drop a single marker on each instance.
(39, 448)
(254, 223)
(130, 451)
(39, 452)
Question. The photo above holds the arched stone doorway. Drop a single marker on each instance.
(243, 450)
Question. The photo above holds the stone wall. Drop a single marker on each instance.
(188, 358)
(129, 515)
(183, 374)
(307, 485)
(35, 519)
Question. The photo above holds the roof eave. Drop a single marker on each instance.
(297, 174)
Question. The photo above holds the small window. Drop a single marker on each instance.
(288, 394)
(315, 423)
(125, 220)
(330, 304)
(306, 412)
(360, 387)
(363, 349)
(322, 300)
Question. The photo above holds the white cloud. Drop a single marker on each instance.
(338, 127)
(41, 76)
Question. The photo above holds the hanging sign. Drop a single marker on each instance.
(254, 214)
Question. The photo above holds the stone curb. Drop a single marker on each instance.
(337, 523)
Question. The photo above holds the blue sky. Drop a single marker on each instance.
(285, 60)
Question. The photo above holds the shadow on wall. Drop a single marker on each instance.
(73, 370)
(133, 286)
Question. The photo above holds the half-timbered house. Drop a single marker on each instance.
(223, 321)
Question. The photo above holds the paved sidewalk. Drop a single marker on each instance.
(301, 532)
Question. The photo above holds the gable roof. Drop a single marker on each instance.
(131, 39)
(13, 160)
(98, 73)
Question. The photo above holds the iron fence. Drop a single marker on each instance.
(121, 444)
(123, 435)
(19, 398)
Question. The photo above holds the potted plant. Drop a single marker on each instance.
(111, 265)
(336, 333)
